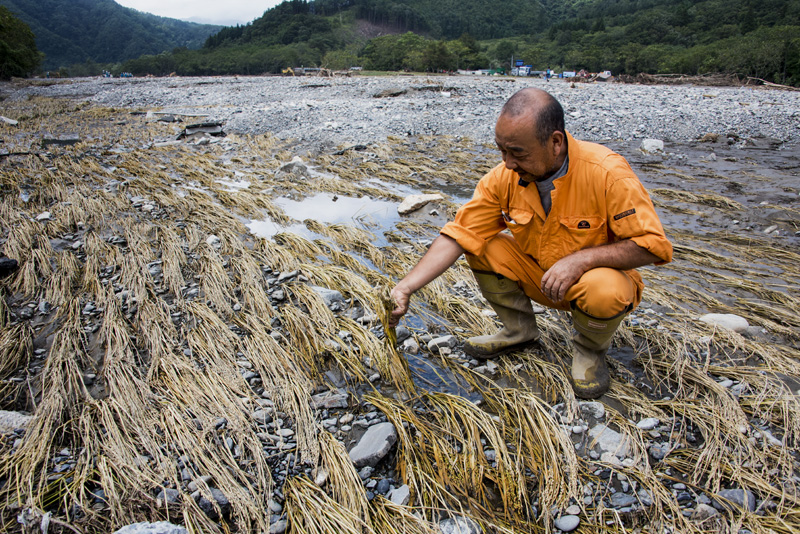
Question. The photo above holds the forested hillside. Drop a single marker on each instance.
(101, 31)
(746, 37)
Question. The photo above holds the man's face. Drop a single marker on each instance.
(522, 152)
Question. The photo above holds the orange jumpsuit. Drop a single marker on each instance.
(600, 200)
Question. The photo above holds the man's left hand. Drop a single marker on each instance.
(622, 255)
(562, 276)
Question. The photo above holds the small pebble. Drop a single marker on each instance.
(567, 523)
(573, 510)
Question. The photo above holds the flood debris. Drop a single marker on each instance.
(160, 527)
(414, 202)
(203, 129)
(64, 140)
(347, 149)
(712, 80)
(390, 93)
(435, 88)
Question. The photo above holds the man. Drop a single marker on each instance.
(579, 222)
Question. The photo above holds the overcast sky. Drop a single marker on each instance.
(226, 12)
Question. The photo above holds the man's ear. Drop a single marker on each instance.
(558, 139)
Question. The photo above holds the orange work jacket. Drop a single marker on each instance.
(600, 200)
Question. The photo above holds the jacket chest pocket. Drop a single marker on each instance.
(517, 220)
(583, 232)
(523, 226)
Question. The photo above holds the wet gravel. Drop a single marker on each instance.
(319, 112)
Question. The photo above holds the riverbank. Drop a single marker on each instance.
(195, 327)
(328, 111)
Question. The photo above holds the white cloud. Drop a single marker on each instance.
(227, 12)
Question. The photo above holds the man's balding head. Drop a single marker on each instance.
(542, 110)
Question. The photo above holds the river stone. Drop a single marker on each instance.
(611, 459)
(374, 445)
(622, 500)
(658, 452)
(330, 399)
(403, 333)
(401, 495)
(383, 486)
(609, 440)
(459, 525)
(278, 527)
(274, 506)
(321, 478)
(262, 416)
(411, 346)
(652, 145)
(645, 497)
(736, 497)
(647, 424)
(726, 320)
(168, 496)
(434, 345)
(414, 202)
(567, 523)
(296, 166)
(208, 507)
(703, 512)
(572, 509)
(330, 296)
(162, 527)
(593, 408)
(193, 485)
(11, 421)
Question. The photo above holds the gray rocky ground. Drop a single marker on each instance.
(333, 111)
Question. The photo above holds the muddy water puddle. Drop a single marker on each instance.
(330, 209)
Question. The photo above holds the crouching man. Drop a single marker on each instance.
(579, 223)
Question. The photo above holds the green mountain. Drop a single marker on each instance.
(758, 38)
(101, 31)
(441, 19)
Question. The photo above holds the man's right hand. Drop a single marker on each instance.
(400, 299)
(443, 252)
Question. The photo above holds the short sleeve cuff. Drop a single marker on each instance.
(467, 239)
(656, 245)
